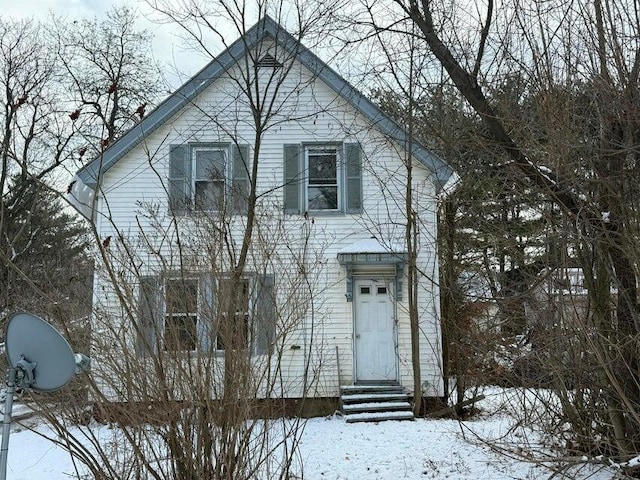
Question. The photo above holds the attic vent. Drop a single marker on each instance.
(268, 61)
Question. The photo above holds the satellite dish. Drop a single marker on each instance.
(40, 351)
(39, 359)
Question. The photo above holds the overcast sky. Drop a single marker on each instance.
(41, 8)
(178, 62)
(168, 49)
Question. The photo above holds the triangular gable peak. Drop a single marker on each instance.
(266, 28)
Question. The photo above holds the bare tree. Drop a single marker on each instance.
(209, 300)
(111, 78)
(578, 67)
(44, 134)
(43, 248)
(34, 146)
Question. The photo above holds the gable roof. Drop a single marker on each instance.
(265, 28)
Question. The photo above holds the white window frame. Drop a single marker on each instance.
(337, 148)
(198, 314)
(226, 172)
(247, 314)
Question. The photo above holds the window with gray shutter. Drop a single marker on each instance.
(182, 314)
(323, 178)
(201, 178)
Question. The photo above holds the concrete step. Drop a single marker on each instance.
(374, 403)
(376, 407)
(354, 389)
(373, 397)
(378, 416)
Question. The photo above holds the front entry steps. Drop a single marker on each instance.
(374, 403)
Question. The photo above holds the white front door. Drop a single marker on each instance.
(374, 331)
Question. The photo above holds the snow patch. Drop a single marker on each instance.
(332, 449)
(373, 245)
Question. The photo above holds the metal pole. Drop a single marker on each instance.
(6, 424)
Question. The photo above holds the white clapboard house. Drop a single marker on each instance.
(324, 288)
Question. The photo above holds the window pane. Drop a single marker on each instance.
(182, 296)
(209, 195)
(235, 333)
(322, 183)
(180, 326)
(240, 291)
(210, 164)
(180, 333)
(239, 332)
(323, 167)
(323, 198)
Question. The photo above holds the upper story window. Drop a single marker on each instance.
(208, 177)
(323, 178)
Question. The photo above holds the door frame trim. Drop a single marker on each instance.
(358, 264)
(390, 280)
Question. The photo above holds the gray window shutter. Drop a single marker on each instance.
(264, 326)
(293, 177)
(240, 181)
(179, 179)
(148, 315)
(207, 314)
(353, 159)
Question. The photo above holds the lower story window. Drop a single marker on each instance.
(200, 313)
(233, 330)
(181, 315)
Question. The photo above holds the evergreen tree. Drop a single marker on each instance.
(46, 269)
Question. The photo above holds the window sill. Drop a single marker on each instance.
(206, 214)
(325, 213)
(194, 354)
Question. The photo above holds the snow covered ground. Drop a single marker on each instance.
(332, 449)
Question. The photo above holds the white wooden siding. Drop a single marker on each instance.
(311, 113)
